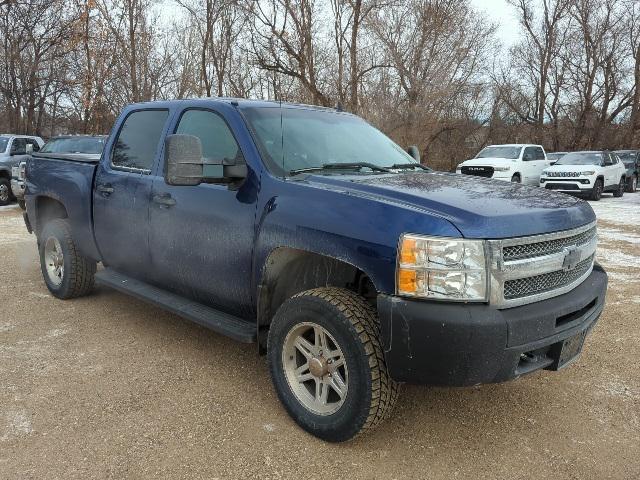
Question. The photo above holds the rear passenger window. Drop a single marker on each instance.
(34, 144)
(138, 140)
(217, 140)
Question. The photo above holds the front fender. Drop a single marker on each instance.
(360, 231)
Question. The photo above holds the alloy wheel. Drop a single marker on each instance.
(54, 260)
(315, 368)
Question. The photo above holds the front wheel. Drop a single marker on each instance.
(632, 184)
(596, 192)
(66, 272)
(5, 192)
(327, 364)
(618, 192)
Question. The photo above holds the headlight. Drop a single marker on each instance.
(502, 169)
(443, 268)
(588, 172)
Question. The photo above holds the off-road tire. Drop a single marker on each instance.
(516, 178)
(7, 196)
(618, 192)
(632, 184)
(79, 271)
(596, 191)
(354, 324)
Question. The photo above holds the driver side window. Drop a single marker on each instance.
(218, 143)
(529, 154)
(19, 146)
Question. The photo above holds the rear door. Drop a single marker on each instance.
(202, 241)
(609, 170)
(122, 191)
(536, 165)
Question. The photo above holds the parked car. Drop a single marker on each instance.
(69, 145)
(518, 163)
(631, 160)
(586, 173)
(555, 156)
(13, 150)
(309, 232)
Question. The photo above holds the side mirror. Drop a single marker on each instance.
(185, 166)
(28, 149)
(414, 152)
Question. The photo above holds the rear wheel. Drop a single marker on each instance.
(327, 364)
(66, 272)
(5, 192)
(632, 184)
(516, 178)
(618, 192)
(596, 191)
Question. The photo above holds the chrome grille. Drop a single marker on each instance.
(523, 287)
(548, 247)
(529, 269)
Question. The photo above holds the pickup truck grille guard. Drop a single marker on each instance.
(530, 269)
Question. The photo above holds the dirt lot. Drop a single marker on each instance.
(109, 387)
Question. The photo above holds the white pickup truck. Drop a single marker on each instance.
(518, 163)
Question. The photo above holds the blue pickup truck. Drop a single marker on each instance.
(310, 233)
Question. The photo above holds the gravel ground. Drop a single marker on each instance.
(109, 387)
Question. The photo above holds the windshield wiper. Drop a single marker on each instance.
(341, 166)
(403, 166)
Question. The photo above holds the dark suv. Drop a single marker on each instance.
(631, 160)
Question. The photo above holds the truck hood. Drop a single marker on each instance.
(477, 207)
(571, 168)
(489, 161)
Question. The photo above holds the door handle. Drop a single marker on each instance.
(164, 200)
(105, 189)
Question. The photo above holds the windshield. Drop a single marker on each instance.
(74, 145)
(580, 159)
(3, 143)
(500, 152)
(555, 155)
(299, 138)
(627, 157)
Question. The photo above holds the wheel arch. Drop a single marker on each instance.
(47, 209)
(288, 271)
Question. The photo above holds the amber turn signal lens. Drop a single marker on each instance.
(408, 251)
(407, 281)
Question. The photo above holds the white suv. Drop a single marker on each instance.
(519, 163)
(588, 173)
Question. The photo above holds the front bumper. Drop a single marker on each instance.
(17, 187)
(453, 344)
(576, 185)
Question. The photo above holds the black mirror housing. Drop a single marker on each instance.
(185, 166)
(183, 160)
(414, 151)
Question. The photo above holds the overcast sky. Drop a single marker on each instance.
(500, 12)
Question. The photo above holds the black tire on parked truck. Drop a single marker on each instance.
(596, 191)
(618, 192)
(5, 192)
(66, 272)
(327, 364)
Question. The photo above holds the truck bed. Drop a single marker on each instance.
(69, 181)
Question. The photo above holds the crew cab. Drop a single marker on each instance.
(631, 160)
(518, 163)
(587, 173)
(13, 150)
(310, 233)
(89, 146)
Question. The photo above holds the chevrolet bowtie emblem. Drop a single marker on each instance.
(571, 258)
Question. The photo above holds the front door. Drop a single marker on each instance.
(535, 163)
(122, 192)
(201, 237)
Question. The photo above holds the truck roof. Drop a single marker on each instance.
(241, 102)
(515, 145)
